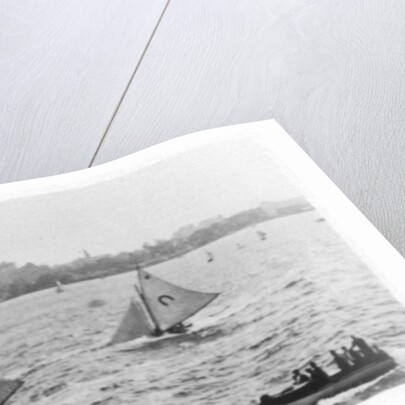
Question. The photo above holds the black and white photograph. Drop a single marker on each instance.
(200, 272)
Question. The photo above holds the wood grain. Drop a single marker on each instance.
(331, 72)
(63, 68)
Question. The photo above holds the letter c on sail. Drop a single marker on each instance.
(163, 298)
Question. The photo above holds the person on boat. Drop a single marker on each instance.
(361, 344)
(300, 378)
(379, 353)
(157, 332)
(346, 355)
(179, 328)
(358, 359)
(342, 364)
(317, 380)
(319, 373)
(312, 376)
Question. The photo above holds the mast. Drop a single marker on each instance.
(147, 309)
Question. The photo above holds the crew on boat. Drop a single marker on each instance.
(313, 374)
(353, 356)
(358, 358)
(379, 353)
(361, 344)
(300, 378)
(341, 362)
(176, 329)
(313, 378)
(358, 355)
(318, 374)
(179, 328)
(157, 332)
(347, 355)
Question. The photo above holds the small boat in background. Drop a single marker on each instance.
(8, 388)
(262, 235)
(59, 287)
(210, 257)
(159, 307)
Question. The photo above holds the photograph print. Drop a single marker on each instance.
(198, 272)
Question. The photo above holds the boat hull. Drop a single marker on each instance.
(361, 376)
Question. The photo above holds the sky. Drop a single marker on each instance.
(220, 178)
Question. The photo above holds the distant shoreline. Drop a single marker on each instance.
(16, 281)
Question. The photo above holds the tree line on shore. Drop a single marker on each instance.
(16, 281)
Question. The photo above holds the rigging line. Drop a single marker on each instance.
(128, 85)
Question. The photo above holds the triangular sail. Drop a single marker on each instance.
(59, 287)
(133, 325)
(169, 304)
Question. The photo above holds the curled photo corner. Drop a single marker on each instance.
(222, 267)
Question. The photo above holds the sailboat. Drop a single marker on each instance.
(157, 307)
(59, 287)
(210, 257)
(262, 235)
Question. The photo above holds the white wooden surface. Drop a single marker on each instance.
(331, 72)
(63, 68)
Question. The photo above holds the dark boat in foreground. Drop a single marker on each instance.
(310, 394)
(8, 388)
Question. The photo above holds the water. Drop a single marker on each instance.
(283, 301)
